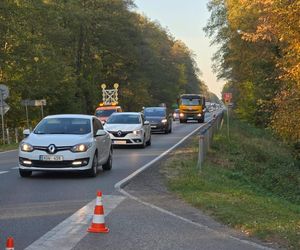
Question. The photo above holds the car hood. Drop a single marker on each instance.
(154, 119)
(122, 127)
(57, 140)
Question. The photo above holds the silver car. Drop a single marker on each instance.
(66, 143)
(129, 128)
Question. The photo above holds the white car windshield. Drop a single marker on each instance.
(124, 119)
(78, 126)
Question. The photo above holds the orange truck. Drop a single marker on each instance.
(191, 107)
(104, 111)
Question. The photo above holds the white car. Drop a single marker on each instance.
(129, 128)
(66, 143)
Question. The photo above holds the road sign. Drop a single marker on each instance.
(28, 102)
(4, 91)
(110, 96)
(40, 102)
(227, 96)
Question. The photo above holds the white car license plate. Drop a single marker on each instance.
(51, 158)
(153, 126)
(120, 142)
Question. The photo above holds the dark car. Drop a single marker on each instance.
(159, 118)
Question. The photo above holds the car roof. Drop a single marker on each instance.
(108, 107)
(127, 113)
(70, 116)
(157, 107)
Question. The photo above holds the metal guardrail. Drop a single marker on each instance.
(206, 136)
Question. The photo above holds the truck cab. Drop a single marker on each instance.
(191, 107)
(104, 111)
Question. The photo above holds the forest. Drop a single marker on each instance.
(259, 57)
(62, 51)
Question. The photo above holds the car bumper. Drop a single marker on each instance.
(31, 161)
(159, 127)
(127, 140)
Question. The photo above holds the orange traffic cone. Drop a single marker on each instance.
(10, 245)
(98, 224)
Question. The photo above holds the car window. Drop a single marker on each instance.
(124, 119)
(155, 112)
(96, 126)
(63, 126)
(190, 102)
(143, 119)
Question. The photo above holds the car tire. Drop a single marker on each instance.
(149, 141)
(25, 173)
(144, 142)
(92, 172)
(108, 165)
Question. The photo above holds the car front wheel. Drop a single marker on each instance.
(108, 165)
(149, 141)
(92, 172)
(25, 173)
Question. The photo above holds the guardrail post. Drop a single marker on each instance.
(17, 135)
(200, 152)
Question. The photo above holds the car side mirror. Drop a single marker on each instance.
(146, 123)
(26, 132)
(101, 132)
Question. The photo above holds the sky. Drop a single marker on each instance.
(185, 20)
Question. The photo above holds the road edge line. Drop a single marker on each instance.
(119, 185)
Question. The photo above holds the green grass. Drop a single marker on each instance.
(7, 147)
(251, 183)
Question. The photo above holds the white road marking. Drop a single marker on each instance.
(15, 167)
(68, 233)
(3, 172)
(123, 182)
(8, 151)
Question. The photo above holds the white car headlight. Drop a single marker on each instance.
(164, 120)
(137, 132)
(26, 147)
(83, 147)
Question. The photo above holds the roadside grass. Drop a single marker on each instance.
(7, 147)
(251, 183)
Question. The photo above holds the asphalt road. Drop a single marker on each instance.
(34, 207)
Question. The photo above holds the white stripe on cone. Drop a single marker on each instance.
(98, 219)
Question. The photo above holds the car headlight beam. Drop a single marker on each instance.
(83, 147)
(137, 132)
(164, 120)
(26, 147)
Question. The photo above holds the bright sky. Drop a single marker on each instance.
(185, 20)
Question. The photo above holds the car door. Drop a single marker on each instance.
(146, 128)
(102, 142)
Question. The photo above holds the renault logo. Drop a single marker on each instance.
(51, 149)
(119, 133)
